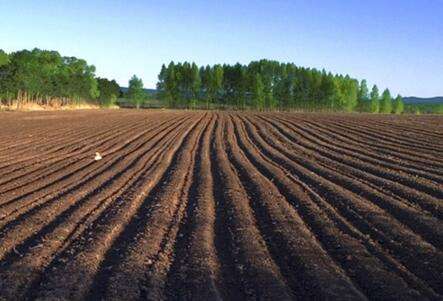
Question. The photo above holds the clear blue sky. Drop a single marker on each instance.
(393, 43)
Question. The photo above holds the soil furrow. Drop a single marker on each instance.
(148, 240)
(425, 186)
(419, 256)
(196, 272)
(389, 160)
(207, 205)
(23, 223)
(367, 186)
(57, 235)
(312, 272)
(89, 173)
(82, 260)
(394, 143)
(352, 249)
(47, 167)
(81, 162)
(254, 265)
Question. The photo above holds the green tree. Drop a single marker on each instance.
(4, 58)
(184, 78)
(195, 84)
(363, 96)
(171, 85)
(230, 78)
(375, 100)
(258, 92)
(302, 90)
(161, 84)
(263, 85)
(205, 76)
(386, 102)
(363, 92)
(240, 85)
(349, 93)
(109, 91)
(179, 95)
(328, 91)
(283, 89)
(398, 105)
(136, 94)
(215, 83)
(41, 76)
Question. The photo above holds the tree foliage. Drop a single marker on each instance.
(386, 102)
(262, 85)
(398, 105)
(363, 96)
(258, 92)
(109, 91)
(42, 76)
(136, 94)
(4, 58)
(375, 99)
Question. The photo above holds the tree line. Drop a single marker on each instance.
(45, 77)
(269, 85)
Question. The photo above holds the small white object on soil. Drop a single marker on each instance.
(98, 157)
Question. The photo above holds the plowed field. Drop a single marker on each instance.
(212, 206)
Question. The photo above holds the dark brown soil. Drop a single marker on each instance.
(220, 206)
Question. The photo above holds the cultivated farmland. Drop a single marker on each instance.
(218, 205)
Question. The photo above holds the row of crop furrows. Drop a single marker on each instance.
(106, 144)
(47, 165)
(59, 180)
(18, 138)
(359, 205)
(224, 206)
(258, 187)
(373, 152)
(390, 167)
(72, 138)
(382, 181)
(50, 220)
(86, 259)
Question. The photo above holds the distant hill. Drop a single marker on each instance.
(420, 100)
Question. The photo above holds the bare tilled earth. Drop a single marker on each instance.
(211, 206)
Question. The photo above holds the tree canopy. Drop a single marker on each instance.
(136, 93)
(261, 85)
(398, 105)
(42, 76)
(4, 58)
(375, 99)
(386, 102)
(109, 91)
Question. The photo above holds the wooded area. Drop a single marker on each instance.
(269, 85)
(44, 77)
